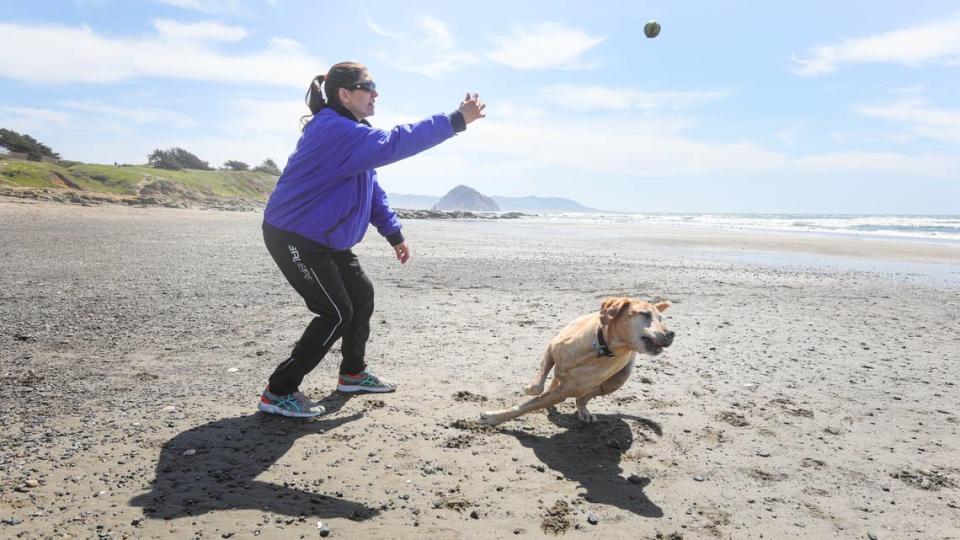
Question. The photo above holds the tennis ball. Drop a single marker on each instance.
(651, 29)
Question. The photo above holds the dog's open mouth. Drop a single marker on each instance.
(651, 345)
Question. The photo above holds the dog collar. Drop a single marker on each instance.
(601, 344)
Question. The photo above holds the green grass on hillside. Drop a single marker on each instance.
(127, 180)
(28, 173)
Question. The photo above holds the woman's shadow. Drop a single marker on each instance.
(590, 454)
(213, 467)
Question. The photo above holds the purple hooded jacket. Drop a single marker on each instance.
(328, 191)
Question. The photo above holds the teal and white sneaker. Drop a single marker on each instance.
(296, 405)
(364, 382)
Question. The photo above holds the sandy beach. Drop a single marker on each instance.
(812, 389)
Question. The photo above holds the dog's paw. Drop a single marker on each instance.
(487, 419)
(533, 389)
(587, 417)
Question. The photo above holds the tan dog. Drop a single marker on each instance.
(593, 356)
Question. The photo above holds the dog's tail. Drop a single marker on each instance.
(535, 388)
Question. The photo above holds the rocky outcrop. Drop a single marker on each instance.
(467, 199)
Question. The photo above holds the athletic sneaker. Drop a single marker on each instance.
(363, 382)
(295, 404)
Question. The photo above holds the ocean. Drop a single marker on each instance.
(936, 228)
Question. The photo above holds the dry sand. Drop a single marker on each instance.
(811, 390)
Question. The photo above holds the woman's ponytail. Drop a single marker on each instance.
(314, 97)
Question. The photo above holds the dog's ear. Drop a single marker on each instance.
(662, 306)
(611, 308)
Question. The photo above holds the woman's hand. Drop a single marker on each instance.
(403, 252)
(472, 108)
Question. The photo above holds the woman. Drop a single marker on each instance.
(325, 199)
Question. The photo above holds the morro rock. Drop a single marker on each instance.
(466, 198)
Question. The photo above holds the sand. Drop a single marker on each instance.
(811, 390)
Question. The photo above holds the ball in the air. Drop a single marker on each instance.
(651, 29)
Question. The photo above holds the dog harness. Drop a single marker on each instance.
(601, 344)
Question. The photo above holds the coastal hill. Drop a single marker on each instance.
(89, 183)
(466, 198)
(540, 204)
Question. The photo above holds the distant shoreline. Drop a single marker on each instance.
(871, 233)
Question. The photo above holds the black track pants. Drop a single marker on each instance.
(333, 285)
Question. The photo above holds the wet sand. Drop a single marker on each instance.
(803, 397)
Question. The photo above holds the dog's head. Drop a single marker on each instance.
(636, 322)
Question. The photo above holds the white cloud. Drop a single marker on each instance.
(913, 46)
(635, 148)
(437, 33)
(601, 98)
(433, 55)
(52, 53)
(138, 115)
(201, 31)
(115, 140)
(510, 157)
(931, 165)
(25, 118)
(919, 119)
(517, 110)
(263, 116)
(554, 155)
(544, 46)
(380, 31)
(225, 7)
(911, 90)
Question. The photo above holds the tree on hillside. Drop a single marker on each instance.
(235, 165)
(161, 159)
(175, 159)
(16, 142)
(268, 166)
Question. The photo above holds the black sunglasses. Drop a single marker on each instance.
(369, 86)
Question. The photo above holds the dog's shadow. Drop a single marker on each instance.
(590, 454)
(214, 467)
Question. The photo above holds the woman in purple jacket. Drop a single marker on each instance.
(326, 197)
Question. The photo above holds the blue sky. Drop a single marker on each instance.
(810, 107)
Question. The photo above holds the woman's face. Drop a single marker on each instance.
(360, 98)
